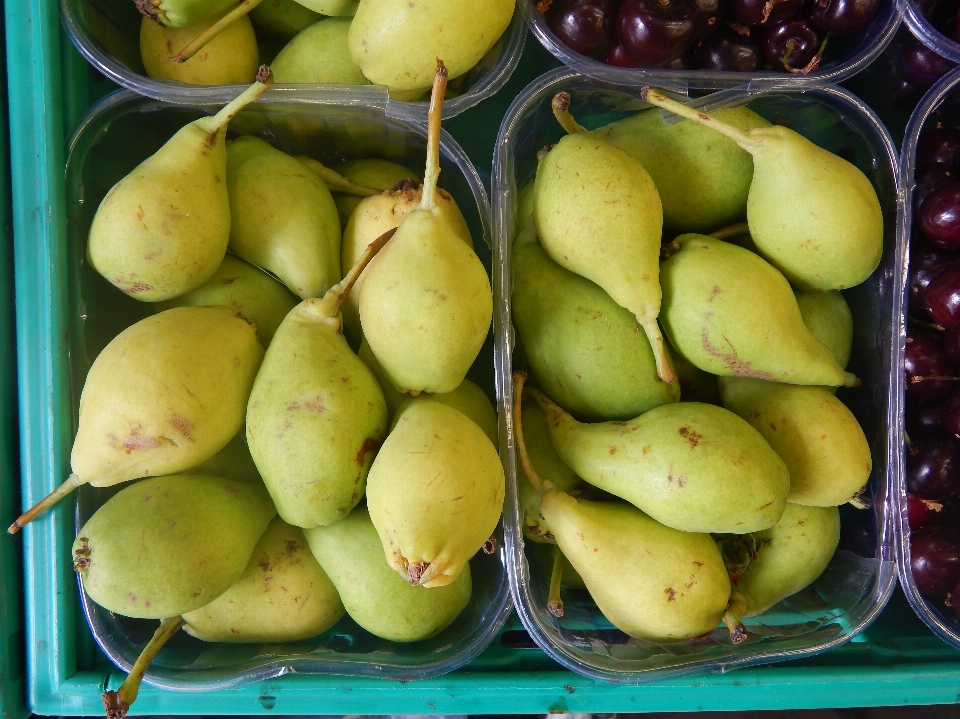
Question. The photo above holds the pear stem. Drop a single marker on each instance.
(539, 486)
(850, 380)
(195, 45)
(346, 284)
(230, 111)
(725, 233)
(742, 138)
(561, 110)
(429, 199)
(73, 481)
(554, 601)
(736, 608)
(118, 703)
(336, 182)
(655, 337)
(860, 500)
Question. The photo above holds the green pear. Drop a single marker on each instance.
(230, 58)
(434, 492)
(132, 563)
(284, 219)
(282, 596)
(526, 224)
(426, 303)
(731, 313)
(827, 316)
(790, 557)
(693, 467)
(396, 42)
(703, 180)
(392, 397)
(232, 462)
(812, 214)
(248, 290)
(587, 352)
(331, 7)
(318, 55)
(165, 395)
(182, 13)
(598, 215)
(282, 19)
(695, 384)
(163, 229)
(369, 172)
(812, 431)
(316, 414)
(375, 215)
(544, 556)
(375, 596)
(469, 399)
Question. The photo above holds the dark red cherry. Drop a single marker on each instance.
(939, 149)
(710, 16)
(922, 66)
(618, 57)
(929, 512)
(764, 12)
(939, 216)
(929, 181)
(942, 298)
(925, 263)
(791, 44)
(951, 343)
(928, 371)
(935, 560)
(842, 17)
(585, 26)
(727, 50)
(654, 32)
(933, 467)
(924, 419)
(951, 414)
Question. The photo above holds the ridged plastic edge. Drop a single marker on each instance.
(927, 34)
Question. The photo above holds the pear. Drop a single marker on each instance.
(132, 564)
(545, 555)
(391, 396)
(731, 313)
(165, 395)
(182, 13)
(650, 581)
(316, 414)
(319, 55)
(435, 493)
(230, 58)
(695, 384)
(469, 399)
(587, 352)
(789, 557)
(282, 596)
(396, 42)
(693, 467)
(598, 215)
(248, 290)
(812, 431)
(812, 214)
(282, 19)
(233, 462)
(827, 316)
(163, 229)
(526, 224)
(702, 179)
(426, 303)
(369, 172)
(332, 7)
(284, 219)
(374, 595)
(375, 215)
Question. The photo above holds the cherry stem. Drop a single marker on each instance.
(725, 233)
(814, 61)
(561, 110)
(655, 337)
(434, 117)
(732, 618)
(928, 325)
(538, 484)
(73, 481)
(742, 138)
(336, 182)
(554, 602)
(195, 45)
(119, 702)
(933, 378)
(230, 111)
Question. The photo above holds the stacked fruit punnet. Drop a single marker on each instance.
(261, 460)
(735, 506)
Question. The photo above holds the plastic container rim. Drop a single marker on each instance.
(927, 34)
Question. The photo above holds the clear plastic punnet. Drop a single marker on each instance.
(940, 105)
(114, 137)
(845, 55)
(921, 27)
(856, 585)
(106, 32)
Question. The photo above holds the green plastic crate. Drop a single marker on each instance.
(895, 662)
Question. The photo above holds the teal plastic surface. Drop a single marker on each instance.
(896, 661)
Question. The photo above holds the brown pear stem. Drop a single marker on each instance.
(736, 608)
(561, 110)
(195, 45)
(428, 201)
(742, 138)
(231, 110)
(336, 182)
(554, 601)
(73, 481)
(725, 233)
(538, 484)
(860, 500)
(346, 284)
(118, 703)
(655, 337)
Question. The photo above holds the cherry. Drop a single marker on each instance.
(951, 343)
(618, 57)
(933, 467)
(710, 16)
(764, 12)
(727, 50)
(654, 32)
(951, 414)
(929, 372)
(930, 180)
(939, 149)
(921, 66)
(935, 560)
(925, 264)
(585, 26)
(924, 512)
(791, 44)
(942, 297)
(926, 418)
(842, 17)
(939, 216)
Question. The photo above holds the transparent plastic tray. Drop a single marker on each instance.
(846, 55)
(925, 32)
(112, 139)
(940, 104)
(854, 588)
(106, 32)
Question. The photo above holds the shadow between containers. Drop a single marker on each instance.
(490, 74)
(859, 50)
(110, 140)
(944, 92)
(583, 645)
